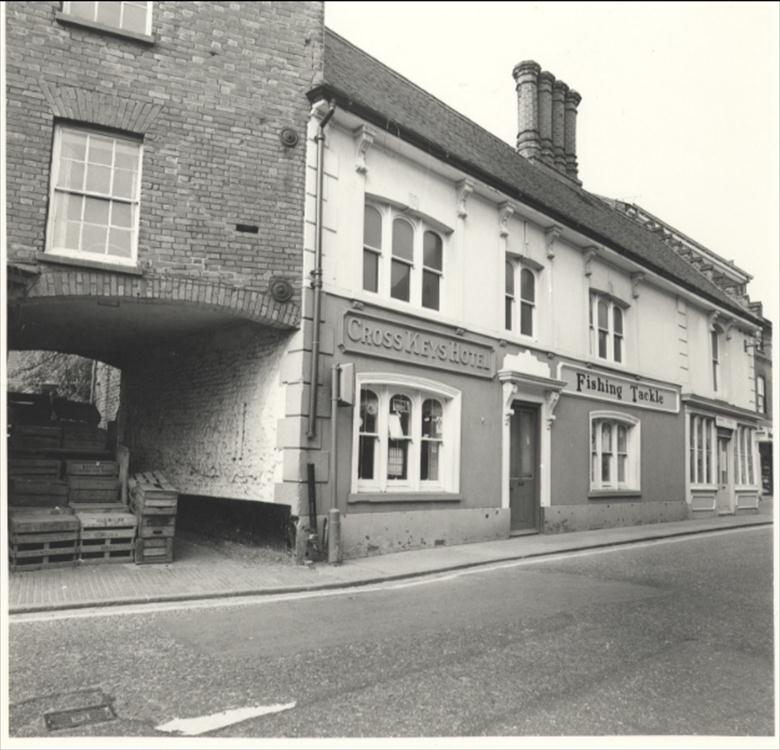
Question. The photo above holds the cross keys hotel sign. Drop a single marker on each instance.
(619, 389)
(420, 346)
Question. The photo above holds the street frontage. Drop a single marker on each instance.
(669, 637)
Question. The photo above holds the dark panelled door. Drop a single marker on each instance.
(524, 467)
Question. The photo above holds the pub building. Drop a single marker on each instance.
(503, 352)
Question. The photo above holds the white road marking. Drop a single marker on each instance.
(202, 724)
(252, 600)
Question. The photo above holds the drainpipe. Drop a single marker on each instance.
(316, 274)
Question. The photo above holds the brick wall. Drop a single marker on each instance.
(210, 97)
(205, 412)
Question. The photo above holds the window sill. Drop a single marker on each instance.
(599, 494)
(704, 488)
(68, 20)
(64, 260)
(404, 497)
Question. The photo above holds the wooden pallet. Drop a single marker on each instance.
(41, 562)
(32, 438)
(153, 551)
(33, 467)
(92, 468)
(40, 539)
(97, 489)
(106, 537)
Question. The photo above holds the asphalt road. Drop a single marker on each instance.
(664, 638)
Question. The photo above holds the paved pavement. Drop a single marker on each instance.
(203, 571)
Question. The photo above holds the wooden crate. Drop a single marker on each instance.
(37, 492)
(98, 489)
(41, 539)
(153, 551)
(33, 438)
(81, 437)
(33, 467)
(76, 411)
(151, 493)
(106, 537)
(92, 468)
(152, 526)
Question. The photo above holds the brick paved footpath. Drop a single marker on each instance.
(207, 571)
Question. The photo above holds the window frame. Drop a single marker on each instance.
(146, 34)
(745, 473)
(518, 301)
(418, 390)
(702, 427)
(389, 215)
(715, 350)
(612, 335)
(633, 474)
(134, 202)
(760, 394)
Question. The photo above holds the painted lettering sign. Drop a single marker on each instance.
(370, 335)
(618, 389)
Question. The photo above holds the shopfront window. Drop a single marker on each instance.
(408, 438)
(701, 446)
(615, 452)
(744, 459)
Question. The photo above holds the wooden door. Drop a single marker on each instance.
(524, 467)
(724, 476)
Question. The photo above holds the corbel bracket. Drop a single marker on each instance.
(551, 235)
(364, 138)
(464, 188)
(636, 280)
(588, 254)
(504, 212)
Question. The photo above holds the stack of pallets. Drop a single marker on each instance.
(153, 500)
(106, 536)
(43, 538)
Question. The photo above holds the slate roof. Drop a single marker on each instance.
(365, 86)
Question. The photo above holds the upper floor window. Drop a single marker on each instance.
(407, 438)
(761, 394)
(615, 452)
(402, 258)
(715, 351)
(607, 332)
(135, 17)
(94, 199)
(520, 299)
(701, 450)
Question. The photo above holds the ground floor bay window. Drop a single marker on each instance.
(406, 436)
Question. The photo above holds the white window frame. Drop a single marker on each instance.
(760, 394)
(593, 325)
(389, 214)
(518, 266)
(386, 385)
(134, 203)
(715, 349)
(633, 480)
(66, 9)
(709, 474)
(745, 474)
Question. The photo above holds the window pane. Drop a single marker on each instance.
(121, 214)
(134, 17)
(369, 406)
(432, 255)
(621, 468)
(431, 418)
(402, 407)
(606, 437)
(603, 344)
(594, 468)
(108, 13)
(72, 235)
(71, 175)
(618, 348)
(399, 280)
(126, 155)
(101, 150)
(617, 315)
(96, 211)
(621, 438)
(509, 306)
(120, 242)
(83, 10)
(370, 271)
(603, 314)
(429, 460)
(93, 239)
(509, 278)
(402, 239)
(366, 456)
(397, 459)
(527, 285)
(124, 184)
(99, 179)
(708, 451)
(526, 319)
(605, 467)
(372, 227)
(73, 145)
(430, 291)
(750, 456)
(714, 337)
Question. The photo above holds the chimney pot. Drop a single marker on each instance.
(525, 74)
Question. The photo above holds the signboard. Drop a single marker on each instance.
(619, 389)
(418, 346)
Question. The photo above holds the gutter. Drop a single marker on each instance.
(345, 101)
(316, 274)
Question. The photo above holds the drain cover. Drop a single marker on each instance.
(78, 717)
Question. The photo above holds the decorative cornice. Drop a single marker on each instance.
(364, 139)
(464, 188)
(504, 212)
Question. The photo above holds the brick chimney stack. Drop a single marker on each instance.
(546, 120)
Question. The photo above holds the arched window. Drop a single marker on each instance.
(607, 327)
(432, 270)
(509, 295)
(519, 298)
(372, 248)
(368, 434)
(527, 302)
(431, 439)
(403, 260)
(398, 424)
(715, 351)
(761, 394)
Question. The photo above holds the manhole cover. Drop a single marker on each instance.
(78, 717)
